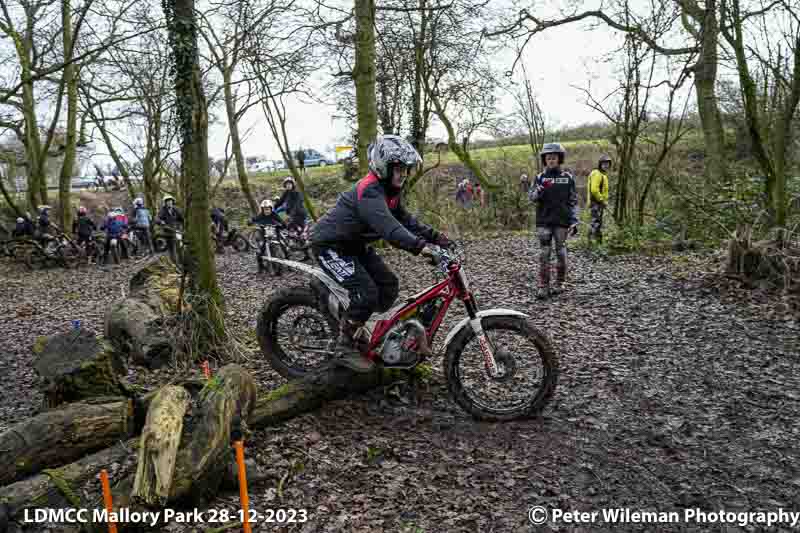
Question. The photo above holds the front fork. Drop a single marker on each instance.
(483, 340)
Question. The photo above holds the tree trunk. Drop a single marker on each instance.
(417, 131)
(705, 80)
(193, 120)
(364, 77)
(236, 144)
(60, 436)
(71, 139)
(75, 365)
(60, 488)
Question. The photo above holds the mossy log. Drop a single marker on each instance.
(60, 488)
(60, 436)
(156, 284)
(306, 394)
(158, 449)
(75, 365)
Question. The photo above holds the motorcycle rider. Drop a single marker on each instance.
(292, 199)
(597, 189)
(556, 197)
(141, 223)
(44, 227)
(24, 227)
(170, 216)
(220, 224)
(267, 216)
(371, 210)
(84, 227)
(114, 225)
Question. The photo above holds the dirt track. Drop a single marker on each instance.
(671, 395)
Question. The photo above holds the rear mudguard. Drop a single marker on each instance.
(476, 324)
(338, 298)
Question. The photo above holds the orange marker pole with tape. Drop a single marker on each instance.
(112, 526)
(206, 370)
(243, 486)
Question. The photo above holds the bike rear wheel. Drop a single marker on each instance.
(523, 353)
(296, 335)
(240, 244)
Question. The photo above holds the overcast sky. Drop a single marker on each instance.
(556, 61)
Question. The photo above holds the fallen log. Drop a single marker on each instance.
(306, 394)
(75, 365)
(59, 488)
(226, 401)
(60, 436)
(159, 442)
(136, 331)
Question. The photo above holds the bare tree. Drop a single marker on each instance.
(529, 113)
(769, 113)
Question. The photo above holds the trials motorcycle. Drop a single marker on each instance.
(497, 365)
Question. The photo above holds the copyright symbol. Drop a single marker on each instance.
(537, 515)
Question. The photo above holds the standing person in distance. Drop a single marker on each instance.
(170, 216)
(142, 218)
(556, 197)
(597, 188)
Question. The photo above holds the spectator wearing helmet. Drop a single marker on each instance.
(556, 198)
(597, 190)
(83, 226)
(169, 214)
(267, 216)
(372, 209)
(292, 199)
(142, 219)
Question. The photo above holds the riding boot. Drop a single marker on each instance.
(543, 290)
(561, 278)
(347, 348)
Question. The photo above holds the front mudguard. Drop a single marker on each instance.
(465, 323)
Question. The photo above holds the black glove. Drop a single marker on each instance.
(442, 241)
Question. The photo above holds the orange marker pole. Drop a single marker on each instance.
(206, 370)
(243, 486)
(112, 526)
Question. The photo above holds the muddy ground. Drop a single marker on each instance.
(676, 390)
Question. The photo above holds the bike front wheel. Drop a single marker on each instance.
(296, 335)
(525, 358)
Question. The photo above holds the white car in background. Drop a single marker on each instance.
(263, 166)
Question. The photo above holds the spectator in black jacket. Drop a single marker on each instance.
(292, 200)
(371, 210)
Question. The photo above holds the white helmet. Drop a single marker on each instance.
(266, 204)
(289, 179)
(138, 202)
(20, 220)
(168, 197)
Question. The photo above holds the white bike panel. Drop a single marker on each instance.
(338, 291)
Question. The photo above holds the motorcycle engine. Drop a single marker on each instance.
(396, 348)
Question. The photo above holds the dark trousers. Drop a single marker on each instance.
(370, 283)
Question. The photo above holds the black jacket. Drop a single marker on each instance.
(170, 217)
(84, 226)
(557, 203)
(23, 228)
(367, 213)
(268, 220)
(294, 203)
